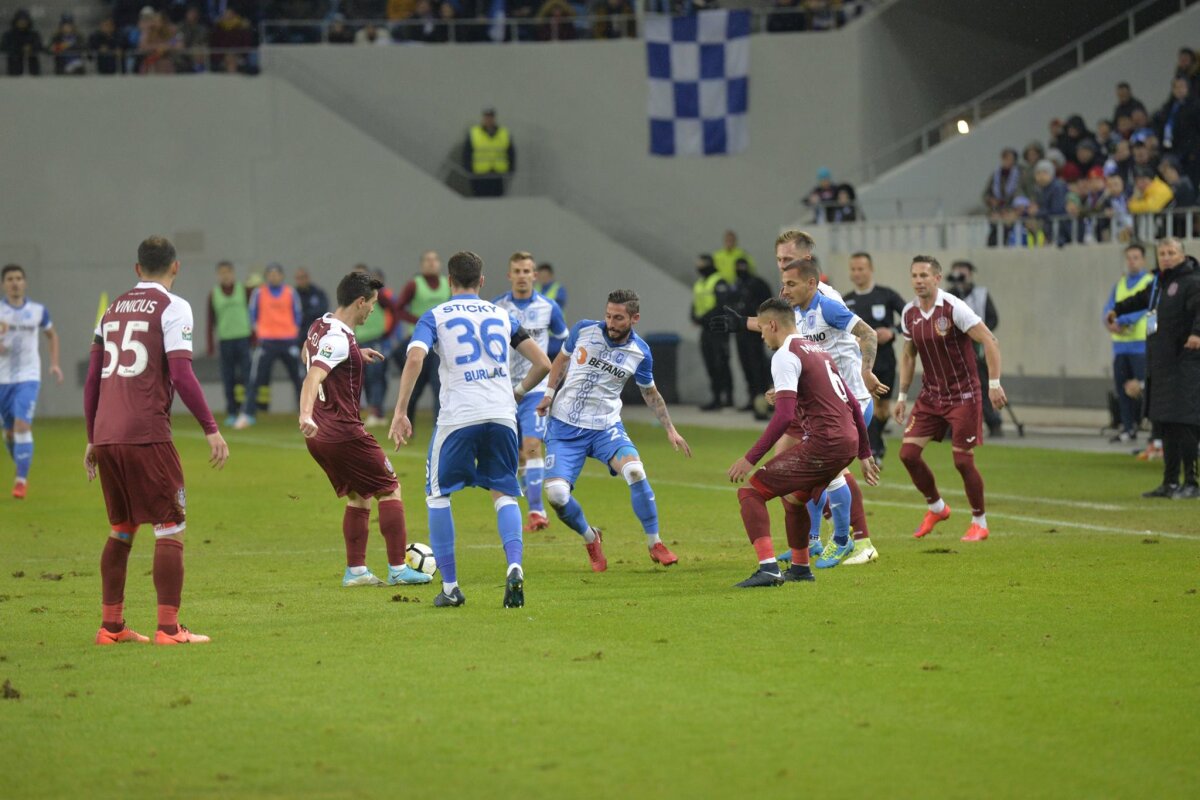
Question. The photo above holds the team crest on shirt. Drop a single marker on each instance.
(942, 326)
(619, 357)
(1173, 289)
(878, 310)
(810, 319)
(186, 333)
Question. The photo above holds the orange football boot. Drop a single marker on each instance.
(184, 636)
(661, 555)
(19, 489)
(105, 636)
(930, 520)
(596, 553)
(975, 533)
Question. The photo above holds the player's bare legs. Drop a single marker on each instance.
(114, 562)
(533, 468)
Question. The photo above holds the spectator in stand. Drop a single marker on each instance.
(1030, 156)
(1141, 122)
(1151, 193)
(1182, 189)
(313, 300)
(449, 32)
(725, 259)
(845, 205)
(297, 12)
(21, 45)
(107, 48)
(1124, 127)
(522, 12)
(1087, 155)
(613, 19)
(1106, 137)
(1093, 223)
(822, 196)
(823, 15)
(1058, 135)
(193, 33)
(1126, 102)
(1118, 222)
(1143, 152)
(1187, 68)
(1120, 162)
(1128, 342)
(423, 26)
(339, 32)
(1026, 228)
(232, 32)
(400, 14)
(1001, 189)
(1178, 123)
(787, 16)
(489, 155)
(1050, 202)
(556, 20)
(68, 48)
(158, 43)
(372, 34)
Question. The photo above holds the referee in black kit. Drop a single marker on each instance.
(881, 308)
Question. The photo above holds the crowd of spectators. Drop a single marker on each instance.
(832, 202)
(1087, 185)
(156, 37)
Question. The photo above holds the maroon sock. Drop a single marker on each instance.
(114, 561)
(168, 582)
(858, 514)
(391, 525)
(918, 470)
(757, 522)
(797, 522)
(972, 480)
(356, 529)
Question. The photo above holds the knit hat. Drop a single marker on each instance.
(1045, 165)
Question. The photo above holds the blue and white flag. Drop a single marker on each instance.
(699, 76)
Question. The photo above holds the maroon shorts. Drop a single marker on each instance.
(803, 467)
(355, 465)
(143, 483)
(964, 420)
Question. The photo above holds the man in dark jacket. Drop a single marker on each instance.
(710, 294)
(749, 292)
(1172, 364)
(1178, 124)
(21, 44)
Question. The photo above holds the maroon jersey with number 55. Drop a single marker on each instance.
(332, 347)
(139, 332)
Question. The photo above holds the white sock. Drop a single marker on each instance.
(394, 568)
(980, 520)
(938, 507)
(652, 539)
(358, 570)
(448, 588)
(517, 567)
(590, 535)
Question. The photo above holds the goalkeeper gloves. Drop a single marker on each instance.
(729, 322)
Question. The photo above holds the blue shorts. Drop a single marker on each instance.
(18, 401)
(567, 447)
(868, 410)
(483, 455)
(529, 424)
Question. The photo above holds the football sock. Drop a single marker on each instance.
(395, 533)
(839, 502)
(938, 506)
(796, 523)
(114, 561)
(858, 514)
(22, 453)
(8, 443)
(589, 535)
(979, 519)
(757, 522)
(642, 497)
(508, 522)
(168, 582)
(972, 480)
(535, 470)
(815, 516)
(875, 435)
(572, 515)
(357, 570)
(356, 530)
(441, 539)
(520, 570)
(918, 470)
(448, 587)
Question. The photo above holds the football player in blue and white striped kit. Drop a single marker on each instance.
(21, 369)
(585, 420)
(542, 319)
(474, 439)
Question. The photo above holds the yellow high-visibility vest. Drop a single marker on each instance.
(489, 153)
(704, 294)
(1137, 331)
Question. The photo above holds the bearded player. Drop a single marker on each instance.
(337, 440)
(940, 329)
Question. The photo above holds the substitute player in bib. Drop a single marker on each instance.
(142, 357)
(21, 369)
(940, 328)
(814, 407)
(475, 436)
(337, 440)
(596, 361)
(542, 319)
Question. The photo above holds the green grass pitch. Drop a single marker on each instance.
(1058, 659)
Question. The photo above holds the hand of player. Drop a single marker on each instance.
(543, 406)
(770, 396)
(371, 356)
(870, 471)
(89, 463)
(740, 469)
(898, 411)
(876, 387)
(678, 442)
(1192, 343)
(998, 398)
(308, 427)
(218, 450)
(401, 430)
(57, 372)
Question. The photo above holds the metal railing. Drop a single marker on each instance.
(978, 232)
(1066, 59)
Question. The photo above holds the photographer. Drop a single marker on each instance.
(962, 286)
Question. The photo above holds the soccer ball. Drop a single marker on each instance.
(420, 557)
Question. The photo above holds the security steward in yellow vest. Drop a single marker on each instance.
(710, 293)
(489, 156)
(425, 291)
(1129, 341)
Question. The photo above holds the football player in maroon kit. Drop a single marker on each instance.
(815, 408)
(141, 357)
(337, 440)
(940, 328)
